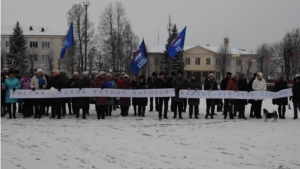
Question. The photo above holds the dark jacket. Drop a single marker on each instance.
(134, 83)
(125, 101)
(224, 83)
(58, 83)
(296, 92)
(151, 82)
(163, 84)
(251, 101)
(280, 85)
(72, 81)
(141, 101)
(178, 84)
(242, 86)
(81, 101)
(214, 86)
(194, 84)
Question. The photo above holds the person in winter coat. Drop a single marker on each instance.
(194, 84)
(111, 84)
(178, 84)
(38, 82)
(3, 92)
(66, 100)
(134, 86)
(120, 79)
(25, 81)
(151, 85)
(296, 96)
(259, 84)
(71, 83)
(223, 86)
(250, 100)
(172, 77)
(81, 102)
(281, 84)
(11, 83)
(232, 85)
(56, 82)
(163, 83)
(241, 103)
(211, 85)
(142, 102)
(125, 101)
(101, 102)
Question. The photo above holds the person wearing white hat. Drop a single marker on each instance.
(259, 84)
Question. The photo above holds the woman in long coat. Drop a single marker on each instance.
(142, 102)
(111, 84)
(210, 85)
(125, 101)
(281, 84)
(194, 84)
(11, 83)
(242, 86)
(101, 102)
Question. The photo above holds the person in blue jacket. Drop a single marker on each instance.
(11, 83)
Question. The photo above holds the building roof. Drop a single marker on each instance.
(162, 49)
(36, 30)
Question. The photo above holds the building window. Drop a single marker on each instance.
(33, 58)
(33, 44)
(45, 44)
(187, 61)
(7, 44)
(239, 62)
(207, 61)
(218, 75)
(197, 61)
(204, 74)
(45, 58)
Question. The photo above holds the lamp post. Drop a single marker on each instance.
(85, 4)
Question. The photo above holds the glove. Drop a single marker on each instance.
(102, 87)
(14, 89)
(59, 89)
(33, 89)
(40, 87)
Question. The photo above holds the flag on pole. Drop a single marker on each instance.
(140, 59)
(68, 42)
(177, 44)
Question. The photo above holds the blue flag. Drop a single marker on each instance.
(177, 44)
(68, 42)
(140, 59)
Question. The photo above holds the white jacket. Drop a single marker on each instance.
(35, 83)
(259, 85)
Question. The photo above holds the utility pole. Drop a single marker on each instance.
(85, 4)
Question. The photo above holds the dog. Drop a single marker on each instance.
(268, 115)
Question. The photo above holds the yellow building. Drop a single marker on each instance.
(43, 46)
(202, 61)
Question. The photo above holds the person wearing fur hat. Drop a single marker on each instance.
(39, 82)
(259, 84)
(101, 102)
(11, 83)
(151, 82)
(27, 108)
(232, 85)
(81, 102)
(194, 84)
(178, 84)
(125, 101)
(142, 102)
(134, 86)
(111, 84)
(281, 84)
(211, 85)
(251, 101)
(296, 96)
(56, 82)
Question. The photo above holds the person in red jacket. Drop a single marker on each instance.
(232, 85)
(125, 101)
(120, 79)
(101, 102)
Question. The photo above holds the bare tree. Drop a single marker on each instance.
(223, 58)
(263, 59)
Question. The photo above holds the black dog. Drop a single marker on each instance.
(268, 115)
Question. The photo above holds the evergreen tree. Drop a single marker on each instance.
(17, 58)
(176, 63)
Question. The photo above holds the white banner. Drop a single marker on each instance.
(92, 92)
(225, 94)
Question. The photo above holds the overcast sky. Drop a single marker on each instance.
(247, 23)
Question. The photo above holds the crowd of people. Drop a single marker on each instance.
(231, 108)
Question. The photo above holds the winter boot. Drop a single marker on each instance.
(10, 115)
(14, 115)
(191, 116)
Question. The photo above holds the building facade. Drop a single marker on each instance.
(43, 46)
(202, 60)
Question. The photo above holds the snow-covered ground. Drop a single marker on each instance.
(136, 142)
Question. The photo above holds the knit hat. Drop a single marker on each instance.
(75, 74)
(179, 72)
(102, 73)
(235, 77)
(55, 71)
(26, 73)
(126, 76)
(161, 73)
(229, 73)
(154, 74)
(84, 75)
(39, 70)
(260, 74)
(108, 75)
(211, 74)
